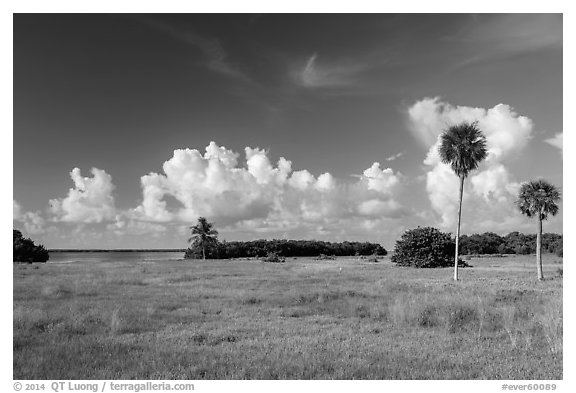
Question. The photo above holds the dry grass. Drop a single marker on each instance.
(303, 319)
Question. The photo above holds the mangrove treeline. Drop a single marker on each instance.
(285, 248)
(512, 243)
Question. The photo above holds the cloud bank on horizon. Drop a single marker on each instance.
(257, 196)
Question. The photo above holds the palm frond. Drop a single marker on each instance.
(538, 198)
(203, 232)
(463, 147)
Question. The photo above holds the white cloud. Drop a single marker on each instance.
(557, 141)
(381, 180)
(490, 191)
(32, 222)
(325, 182)
(301, 179)
(395, 156)
(316, 75)
(17, 211)
(262, 196)
(377, 207)
(90, 201)
(506, 132)
(126, 226)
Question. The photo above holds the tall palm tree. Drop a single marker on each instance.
(463, 146)
(203, 233)
(537, 198)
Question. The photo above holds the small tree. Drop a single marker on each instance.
(463, 146)
(26, 251)
(203, 234)
(537, 198)
(423, 248)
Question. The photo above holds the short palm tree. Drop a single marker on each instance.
(537, 198)
(203, 234)
(463, 147)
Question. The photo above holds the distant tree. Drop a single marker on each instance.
(26, 251)
(203, 234)
(538, 198)
(486, 243)
(463, 146)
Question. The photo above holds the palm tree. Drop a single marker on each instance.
(203, 233)
(537, 198)
(463, 146)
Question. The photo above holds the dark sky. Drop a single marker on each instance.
(330, 93)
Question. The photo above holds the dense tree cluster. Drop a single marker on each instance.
(26, 251)
(512, 243)
(284, 248)
(424, 248)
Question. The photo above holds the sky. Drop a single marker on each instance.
(127, 128)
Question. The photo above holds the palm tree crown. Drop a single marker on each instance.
(463, 146)
(203, 233)
(538, 197)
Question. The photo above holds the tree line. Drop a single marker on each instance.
(285, 248)
(512, 243)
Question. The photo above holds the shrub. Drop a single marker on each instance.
(323, 257)
(273, 257)
(559, 251)
(373, 258)
(424, 248)
(26, 251)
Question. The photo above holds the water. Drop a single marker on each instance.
(114, 256)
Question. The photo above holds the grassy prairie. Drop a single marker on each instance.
(303, 319)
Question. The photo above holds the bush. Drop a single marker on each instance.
(424, 248)
(324, 257)
(26, 251)
(559, 251)
(373, 258)
(273, 257)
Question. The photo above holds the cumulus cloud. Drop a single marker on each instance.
(90, 201)
(261, 196)
(557, 141)
(32, 222)
(491, 189)
(381, 180)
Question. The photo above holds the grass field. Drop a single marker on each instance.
(303, 319)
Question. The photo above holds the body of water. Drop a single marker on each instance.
(114, 256)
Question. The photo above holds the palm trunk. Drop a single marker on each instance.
(458, 228)
(539, 249)
(203, 252)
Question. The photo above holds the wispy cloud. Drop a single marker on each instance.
(557, 141)
(324, 75)
(215, 57)
(490, 36)
(395, 156)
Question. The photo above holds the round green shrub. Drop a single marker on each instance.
(424, 248)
